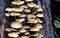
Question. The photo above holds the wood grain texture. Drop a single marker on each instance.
(48, 19)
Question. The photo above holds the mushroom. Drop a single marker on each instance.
(9, 9)
(24, 6)
(22, 30)
(20, 19)
(26, 27)
(17, 2)
(16, 24)
(34, 29)
(13, 34)
(27, 10)
(31, 16)
(31, 4)
(7, 14)
(18, 9)
(15, 14)
(40, 15)
(26, 33)
(22, 15)
(28, 0)
(39, 26)
(10, 29)
(32, 21)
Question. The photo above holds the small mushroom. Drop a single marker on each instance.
(34, 29)
(7, 14)
(26, 33)
(24, 37)
(24, 6)
(10, 29)
(39, 26)
(27, 10)
(35, 34)
(31, 4)
(15, 14)
(9, 9)
(13, 34)
(18, 9)
(40, 15)
(26, 27)
(22, 30)
(17, 2)
(28, 0)
(16, 24)
(39, 9)
(22, 15)
(20, 20)
(31, 16)
(32, 21)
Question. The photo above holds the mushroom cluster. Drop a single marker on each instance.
(27, 21)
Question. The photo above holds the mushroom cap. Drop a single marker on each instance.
(15, 14)
(35, 34)
(13, 34)
(26, 27)
(20, 20)
(18, 2)
(31, 4)
(40, 15)
(28, 0)
(22, 15)
(39, 9)
(34, 29)
(31, 16)
(18, 9)
(27, 10)
(39, 26)
(9, 9)
(32, 21)
(16, 24)
(24, 37)
(10, 29)
(26, 33)
(7, 14)
(24, 6)
(22, 30)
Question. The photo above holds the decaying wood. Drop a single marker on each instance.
(48, 32)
